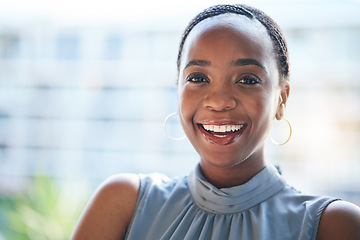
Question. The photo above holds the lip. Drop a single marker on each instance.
(221, 138)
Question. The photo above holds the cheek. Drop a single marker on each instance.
(262, 107)
(186, 105)
(189, 107)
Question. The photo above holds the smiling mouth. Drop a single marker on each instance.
(221, 134)
(222, 130)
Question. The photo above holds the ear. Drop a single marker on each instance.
(283, 97)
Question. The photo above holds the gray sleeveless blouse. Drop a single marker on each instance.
(192, 208)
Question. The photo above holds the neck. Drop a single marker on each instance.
(232, 176)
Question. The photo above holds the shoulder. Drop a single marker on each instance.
(109, 211)
(340, 220)
(120, 183)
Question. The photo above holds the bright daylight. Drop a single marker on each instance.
(86, 86)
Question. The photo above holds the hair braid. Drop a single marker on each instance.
(278, 39)
(272, 28)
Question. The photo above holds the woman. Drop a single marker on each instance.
(233, 82)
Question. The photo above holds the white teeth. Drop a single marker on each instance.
(221, 136)
(222, 128)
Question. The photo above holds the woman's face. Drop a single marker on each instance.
(228, 89)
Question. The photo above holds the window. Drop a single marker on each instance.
(113, 47)
(68, 47)
(9, 46)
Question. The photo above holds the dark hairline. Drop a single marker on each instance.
(279, 43)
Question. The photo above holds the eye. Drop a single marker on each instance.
(197, 78)
(249, 80)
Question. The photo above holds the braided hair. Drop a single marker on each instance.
(272, 28)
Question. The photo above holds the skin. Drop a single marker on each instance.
(215, 87)
(109, 211)
(212, 48)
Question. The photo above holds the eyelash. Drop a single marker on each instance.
(248, 80)
(197, 79)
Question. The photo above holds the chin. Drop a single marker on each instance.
(222, 161)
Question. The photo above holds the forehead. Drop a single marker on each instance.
(230, 20)
(227, 31)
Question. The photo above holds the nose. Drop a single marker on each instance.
(220, 100)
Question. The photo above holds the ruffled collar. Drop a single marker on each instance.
(235, 199)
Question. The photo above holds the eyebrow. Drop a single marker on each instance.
(248, 61)
(238, 62)
(200, 63)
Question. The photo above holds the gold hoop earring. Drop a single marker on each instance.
(287, 140)
(165, 129)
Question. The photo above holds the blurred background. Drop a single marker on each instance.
(86, 85)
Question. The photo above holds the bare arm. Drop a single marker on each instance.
(109, 211)
(340, 220)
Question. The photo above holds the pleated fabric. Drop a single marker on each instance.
(192, 208)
